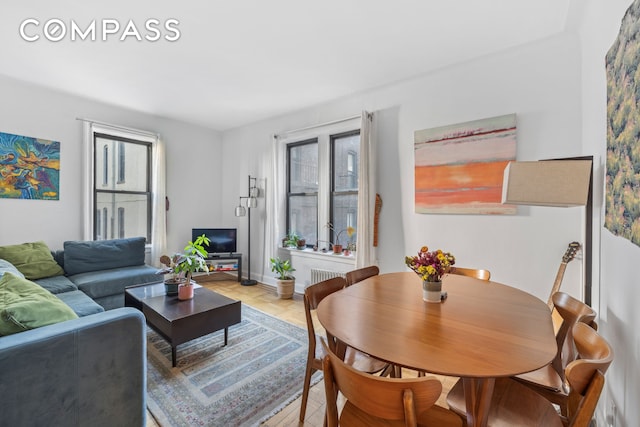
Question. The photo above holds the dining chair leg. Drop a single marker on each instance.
(305, 391)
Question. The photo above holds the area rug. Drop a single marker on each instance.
(258, 373)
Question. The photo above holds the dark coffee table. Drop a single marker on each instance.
(181, 321)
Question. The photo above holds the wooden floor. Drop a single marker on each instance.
(264, 298)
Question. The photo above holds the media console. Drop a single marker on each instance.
(222, 263)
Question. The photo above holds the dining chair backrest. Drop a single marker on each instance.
(471, 272)
(312, 297)
(585, 375)
(369, 397)
(360, 274)
(593, 354)
(572, 311)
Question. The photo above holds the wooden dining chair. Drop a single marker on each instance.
(360, 274)
(549, 380)
(471, 272)
(514, 404)
(378, 401)
(312, 297)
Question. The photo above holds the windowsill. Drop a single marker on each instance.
(328, 255)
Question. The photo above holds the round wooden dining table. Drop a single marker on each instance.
(482, 330)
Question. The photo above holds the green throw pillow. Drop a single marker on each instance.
(24, 305)
(34, 260)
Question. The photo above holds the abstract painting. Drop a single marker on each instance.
(622, 181)
(459, 168)
(29, 168)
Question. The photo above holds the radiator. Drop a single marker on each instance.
(318, 275)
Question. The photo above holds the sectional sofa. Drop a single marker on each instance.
(70, 355)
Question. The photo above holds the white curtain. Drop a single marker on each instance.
(366, 253)
(159, 214)
(275, 201)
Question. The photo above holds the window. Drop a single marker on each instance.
(302, 189)
(344, 183)
(130, 200)
(322, 186)
(120, 223)
(121, 167)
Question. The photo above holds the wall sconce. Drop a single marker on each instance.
(557, 182)
(252, 202)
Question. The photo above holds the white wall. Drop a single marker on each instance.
(537, 82)
(191, 152)
(618, 273)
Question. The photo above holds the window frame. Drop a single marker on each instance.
(323, 136)
(333, 191)
(96, 135)
(289, 194)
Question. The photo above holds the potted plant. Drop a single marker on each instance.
(337, 247)
(290, 240)
(182, 266)
(285, 281)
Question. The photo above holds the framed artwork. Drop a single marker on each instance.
(459, 168)
(622, 186)
(29, 168)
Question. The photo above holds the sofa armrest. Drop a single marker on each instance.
(86, 371)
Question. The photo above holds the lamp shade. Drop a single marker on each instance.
(561, 183)
(240, 210)
(252, 202)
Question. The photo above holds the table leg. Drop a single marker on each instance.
(226, 335)
(173, 356)
(477, 395)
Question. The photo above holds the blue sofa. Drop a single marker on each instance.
(90, 370)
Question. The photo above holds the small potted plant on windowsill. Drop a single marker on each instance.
(337, 247)
(284, 280)
(182, 266)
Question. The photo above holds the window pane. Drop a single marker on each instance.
(134, 208)
(134, 168)
(346, 152)
(303, 168)
(345, 214)
(303, 217)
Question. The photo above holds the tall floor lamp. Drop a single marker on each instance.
(252, 202)
(555, 182)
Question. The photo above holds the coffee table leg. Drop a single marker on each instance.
(226, 335)
(173, 356)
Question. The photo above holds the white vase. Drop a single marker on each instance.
(431, 291)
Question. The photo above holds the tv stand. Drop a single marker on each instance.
(215, 266)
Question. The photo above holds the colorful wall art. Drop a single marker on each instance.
(459, 168)
(29, 168)
(622, 199)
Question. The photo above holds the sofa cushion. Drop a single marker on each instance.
(6, 266)
(80, 303)
(95, 255)
(24, 305)
(57, 284)
(34, 260)
(103, 283)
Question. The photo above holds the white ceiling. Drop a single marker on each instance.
(240, 61)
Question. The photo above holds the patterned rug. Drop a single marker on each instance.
(244, 383)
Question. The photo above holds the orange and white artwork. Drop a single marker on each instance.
(459, 168)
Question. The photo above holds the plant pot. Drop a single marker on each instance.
(171, 287)
(337, 249)
(285, 288)
(302, 243)
(432, 291)
(185, 291)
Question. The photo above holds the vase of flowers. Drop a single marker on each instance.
(431, 266)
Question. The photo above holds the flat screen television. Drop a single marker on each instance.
(223, 240)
